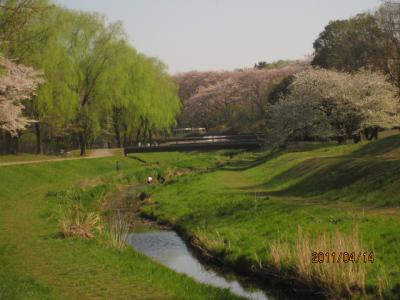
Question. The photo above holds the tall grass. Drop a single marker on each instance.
(334, 278)
(210, 242)
(118, 230)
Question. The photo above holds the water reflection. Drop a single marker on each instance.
(169, 249)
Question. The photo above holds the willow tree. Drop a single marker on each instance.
(137, 95)
(91, 48)
(19, 30)
(97, 85)
(160, 101)
(117, 95)
(55, 105)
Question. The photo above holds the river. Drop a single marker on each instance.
(168, 248)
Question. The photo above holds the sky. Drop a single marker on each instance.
(223, 34)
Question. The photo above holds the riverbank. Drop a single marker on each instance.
(266, 214)
(36, 263)
(247, 210)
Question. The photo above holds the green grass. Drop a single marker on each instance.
(35, 263)
(236, 206)
(260, 198)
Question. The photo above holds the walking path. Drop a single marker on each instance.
(95, 153)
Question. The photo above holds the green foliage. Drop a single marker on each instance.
(349, 45)
(97, 87)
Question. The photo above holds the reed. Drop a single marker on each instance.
(76, 222)
(334, 276)
(118, 230)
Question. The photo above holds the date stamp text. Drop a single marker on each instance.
(342, 257)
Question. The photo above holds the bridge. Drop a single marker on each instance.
(203, 143)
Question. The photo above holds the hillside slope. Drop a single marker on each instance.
(261, 202)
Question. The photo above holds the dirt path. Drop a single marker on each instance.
(95, 153)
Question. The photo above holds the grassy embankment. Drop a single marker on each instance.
(266, 213)
(36, 263)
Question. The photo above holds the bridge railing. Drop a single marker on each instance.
(210, 142)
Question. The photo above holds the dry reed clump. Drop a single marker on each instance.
(118, 230)
(333, 277)
(75, 222)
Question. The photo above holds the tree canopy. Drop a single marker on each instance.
(348, 45)
(97, 88)
(228, 100)
(329, 104)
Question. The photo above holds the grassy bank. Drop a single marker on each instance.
(266, 213)
(36, 263)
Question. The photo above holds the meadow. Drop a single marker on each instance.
(37, 263)
(258, 213)
(264, 214)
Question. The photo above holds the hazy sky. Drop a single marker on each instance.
(223, 34)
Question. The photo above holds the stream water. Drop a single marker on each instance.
(166, 247)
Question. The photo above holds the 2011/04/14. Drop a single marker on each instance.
(346, 257)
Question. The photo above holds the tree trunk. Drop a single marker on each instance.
(150, 137)
(125, 142)
(371, 133)
(2, 142)
(117, 135)
(82, 143)
(145, 132)
(11, 144)
(16, 144)
(341, 139)
(144, 139)
(139, 131)
(138, 135)
(357, 138)
(116, 117)
(39, 148)
(7, 143)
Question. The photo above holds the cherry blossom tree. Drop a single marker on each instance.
(329, 104)
(228, 100)
(17, 83)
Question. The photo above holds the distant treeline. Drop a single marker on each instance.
(229, 101)
(94, 88)
(349, 88)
